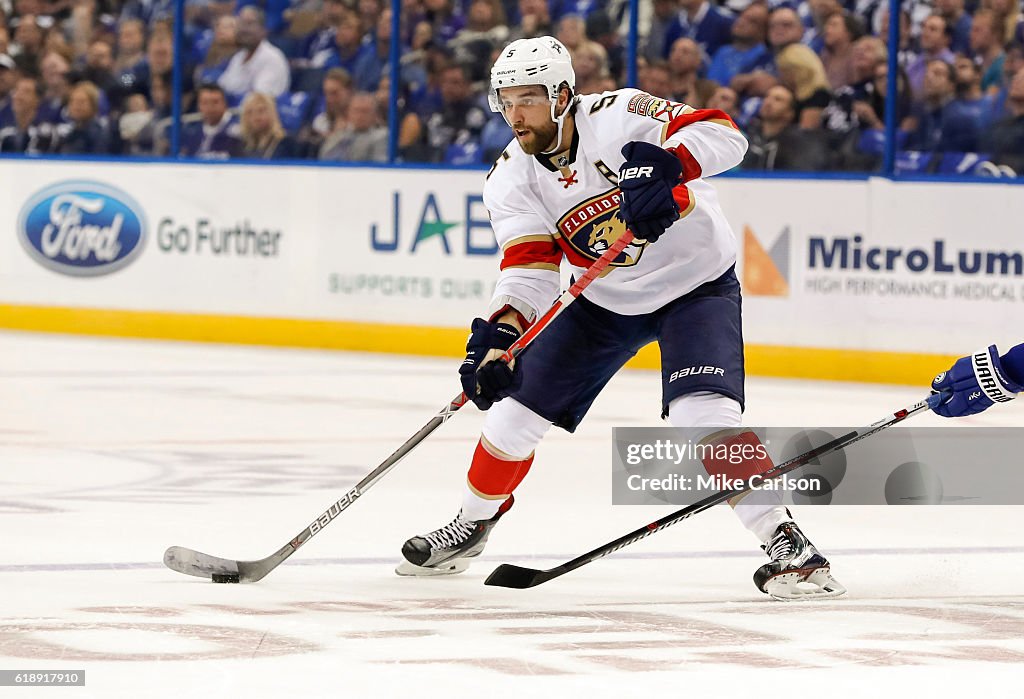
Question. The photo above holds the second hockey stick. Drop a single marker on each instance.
(227, 570)
(507, 575)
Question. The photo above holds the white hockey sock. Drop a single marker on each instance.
(476, 508)
(512, 429)
(762, 511)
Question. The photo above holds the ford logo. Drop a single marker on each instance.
(83, 229)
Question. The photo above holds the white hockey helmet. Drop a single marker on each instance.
(541, 61)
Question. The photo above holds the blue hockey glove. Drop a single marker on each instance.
(646, 180)
(977, 382)
(485, 379)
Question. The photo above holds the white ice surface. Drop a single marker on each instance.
(112, 450)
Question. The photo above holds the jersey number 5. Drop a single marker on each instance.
(605, 101)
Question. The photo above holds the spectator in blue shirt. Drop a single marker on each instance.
(351, 52)
(927, 119)
(747, 52)
(959, 23)
(583, 8)
(969, 112)
(701, 21)
(222, 47)
(215, 135)
(56, 85)
(274, 10)
(84, 132)
(28, 133)
(331, 14)
(380, 42)
(159, 61)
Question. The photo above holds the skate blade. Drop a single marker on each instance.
(410, 570)
(803, 585)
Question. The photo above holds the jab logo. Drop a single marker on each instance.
(82, 229)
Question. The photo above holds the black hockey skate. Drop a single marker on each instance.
(797, 570)
(446, 551)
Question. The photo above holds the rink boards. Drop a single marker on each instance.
(843, 279)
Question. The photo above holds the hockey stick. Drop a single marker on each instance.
(226, 570)
(507, 575)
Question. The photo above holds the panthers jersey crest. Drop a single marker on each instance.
(591, 227)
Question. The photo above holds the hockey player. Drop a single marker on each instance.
(980, 381)
(583, 168)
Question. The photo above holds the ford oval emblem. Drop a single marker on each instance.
(82, 229)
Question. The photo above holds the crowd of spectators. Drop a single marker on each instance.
(310, 79)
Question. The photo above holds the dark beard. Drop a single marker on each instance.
(542, 138)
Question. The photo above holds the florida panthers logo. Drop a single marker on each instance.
(593, 226)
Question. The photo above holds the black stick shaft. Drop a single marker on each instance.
(519, 577)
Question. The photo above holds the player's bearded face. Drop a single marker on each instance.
(536, 138)
(529, 113)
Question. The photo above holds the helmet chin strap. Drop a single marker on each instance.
(560, 120)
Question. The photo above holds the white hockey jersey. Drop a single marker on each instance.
(545, 208)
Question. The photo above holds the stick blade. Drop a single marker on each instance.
(201, 565)
(517, 577)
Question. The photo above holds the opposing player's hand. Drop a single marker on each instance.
(976, 383)
(485, 378)
(646, 180)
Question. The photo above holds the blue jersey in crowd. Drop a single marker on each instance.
(711, 28)
(218, 142)
(730, 62)
(962, 123)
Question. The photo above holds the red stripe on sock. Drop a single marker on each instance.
(737, 456)
(496, 477)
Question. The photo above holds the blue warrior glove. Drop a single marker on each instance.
(977, 382)
(485, 379)
(646, 181)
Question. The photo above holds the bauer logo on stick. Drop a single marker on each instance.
(82, 229)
